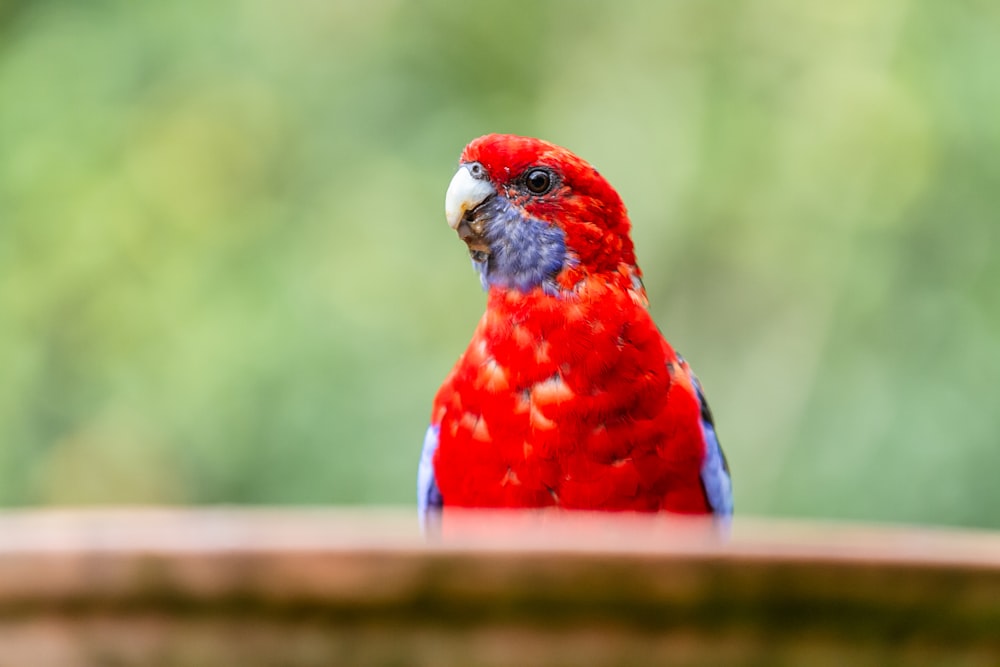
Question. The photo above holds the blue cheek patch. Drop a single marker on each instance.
(524, 252)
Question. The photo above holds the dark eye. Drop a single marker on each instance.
(538, 181)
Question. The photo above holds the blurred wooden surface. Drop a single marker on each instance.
(362, 587)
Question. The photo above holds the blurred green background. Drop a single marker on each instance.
(225, 275)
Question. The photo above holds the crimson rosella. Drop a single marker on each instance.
(568, 395)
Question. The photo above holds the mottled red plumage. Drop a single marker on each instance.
(567, 395)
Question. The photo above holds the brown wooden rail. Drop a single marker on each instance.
(362, 587)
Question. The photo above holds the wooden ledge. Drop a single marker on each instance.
(507, 589)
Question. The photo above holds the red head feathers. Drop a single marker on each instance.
(532, 180)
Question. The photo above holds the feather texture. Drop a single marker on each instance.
(567, 395)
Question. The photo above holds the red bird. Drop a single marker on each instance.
(568, 395)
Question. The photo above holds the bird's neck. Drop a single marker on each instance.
(573, 286)
(579, 299)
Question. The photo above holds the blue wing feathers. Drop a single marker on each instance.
(714, 469)
(429, 499)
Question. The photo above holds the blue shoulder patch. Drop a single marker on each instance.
(714, 470)
(429, 499)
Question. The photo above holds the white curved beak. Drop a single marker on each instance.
(464, 194)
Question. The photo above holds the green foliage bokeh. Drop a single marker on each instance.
(225, 274)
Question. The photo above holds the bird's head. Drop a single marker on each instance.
(534, 214)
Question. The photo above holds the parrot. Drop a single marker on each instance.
(568, 396)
